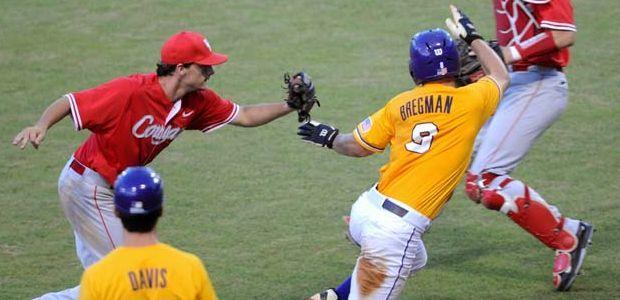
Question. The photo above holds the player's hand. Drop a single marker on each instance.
(461, 26)
(317, 133)
(33, 134)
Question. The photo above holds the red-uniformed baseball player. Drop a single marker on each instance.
(535, 36)
(132, 119)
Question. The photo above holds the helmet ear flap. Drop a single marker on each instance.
(415, 79)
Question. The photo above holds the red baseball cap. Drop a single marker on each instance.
(190, 47)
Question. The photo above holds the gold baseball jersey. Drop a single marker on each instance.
(431, 130)
(152, 272)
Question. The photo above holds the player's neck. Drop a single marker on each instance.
(172, 87)
(137, 239)
(447, 82)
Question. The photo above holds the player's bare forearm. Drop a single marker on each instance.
(491, 63)
(36, 133)
(346, 144)
(54, 113)
(260, 114)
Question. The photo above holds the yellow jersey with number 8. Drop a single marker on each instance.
(431, 131)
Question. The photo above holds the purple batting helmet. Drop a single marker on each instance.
(433, 55)
(138, 191)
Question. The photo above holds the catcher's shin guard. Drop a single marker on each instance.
(530, 212)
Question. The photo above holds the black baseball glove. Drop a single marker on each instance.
(300, 94)
(471, 69)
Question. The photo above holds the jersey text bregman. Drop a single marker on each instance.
(424, 105)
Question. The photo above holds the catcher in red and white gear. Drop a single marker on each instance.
(534, 37)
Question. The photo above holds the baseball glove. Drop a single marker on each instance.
(300, 94)
(471, 69)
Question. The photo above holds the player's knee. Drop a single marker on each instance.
(475, 185)
(420, 262)
(472, 190)
(492, 200)
(371, 273)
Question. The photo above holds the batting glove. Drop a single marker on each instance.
(318, 133)
(461, 26)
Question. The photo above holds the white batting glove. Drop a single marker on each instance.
(461, 26)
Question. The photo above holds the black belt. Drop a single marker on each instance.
(394, 208)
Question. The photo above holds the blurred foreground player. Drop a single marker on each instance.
(144, 268)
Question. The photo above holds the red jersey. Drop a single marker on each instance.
(132, 120)
(518, 21)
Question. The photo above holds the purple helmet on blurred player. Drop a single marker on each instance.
(433, 55)
(138, 191)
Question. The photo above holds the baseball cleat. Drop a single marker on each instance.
(567, 265)
(329, 294)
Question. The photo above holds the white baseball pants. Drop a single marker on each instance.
(392, 249)
(88, 203)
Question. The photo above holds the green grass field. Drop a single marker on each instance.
(261, 208)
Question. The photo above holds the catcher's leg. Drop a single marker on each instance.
(533, 102)
(527, 209)
(530, 105)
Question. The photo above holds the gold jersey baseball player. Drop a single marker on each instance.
(430, 130)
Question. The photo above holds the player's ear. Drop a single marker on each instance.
(181, 69)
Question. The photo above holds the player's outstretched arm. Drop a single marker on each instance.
(460, 25)
(36, 133)
(325, 135)
(300, 97)
(347, 145)
(260, 114)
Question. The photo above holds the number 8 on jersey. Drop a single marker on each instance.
(422, 137)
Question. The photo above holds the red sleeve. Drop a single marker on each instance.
(556, 15)
(98, 109)
(215, 113)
